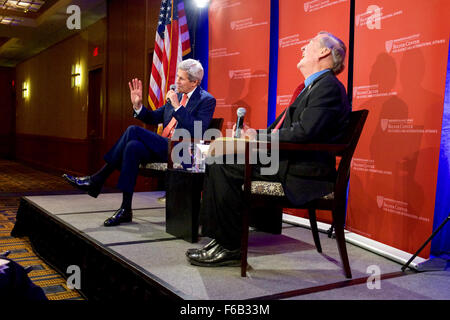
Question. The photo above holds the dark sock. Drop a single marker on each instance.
(100, 176)
(127, 197)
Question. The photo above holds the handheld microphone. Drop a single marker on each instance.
(240, 121)
(174, 88)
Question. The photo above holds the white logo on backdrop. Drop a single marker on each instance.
(223, 4)
(403, 126)
(357, 19)
(283, 100)
(384, 124)
(245, 24)
(306, 6)
(320, 4)
(244, 74)
(370, 91)
(292, 40)
(397, 125)
(221, 52)
(367, 165)
(397, 207)
(380, 201)
(409, 43)
(222, 103)
(388, 45)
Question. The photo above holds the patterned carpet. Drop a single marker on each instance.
(18, 180)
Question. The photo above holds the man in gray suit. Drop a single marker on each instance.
(318, 113)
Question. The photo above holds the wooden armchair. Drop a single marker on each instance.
(335, 202)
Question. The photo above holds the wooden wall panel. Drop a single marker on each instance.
(53, 153)
(114, 66)
(7, 112)
(131, 36)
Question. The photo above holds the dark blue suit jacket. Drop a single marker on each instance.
(200, 107)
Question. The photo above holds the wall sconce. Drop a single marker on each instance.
(76, 75)
(25, 90)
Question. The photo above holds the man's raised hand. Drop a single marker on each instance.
(136, 93)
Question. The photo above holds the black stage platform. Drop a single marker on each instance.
(139, 261)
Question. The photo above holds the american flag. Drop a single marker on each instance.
(171, 45)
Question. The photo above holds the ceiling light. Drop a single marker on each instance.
(6, 20)
(10, 21)
(21, 5)
(201, 3)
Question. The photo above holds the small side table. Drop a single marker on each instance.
(183, 195)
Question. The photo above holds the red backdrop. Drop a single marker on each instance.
(299, 22)
(400, 60)
(239, 38)
(400, 64)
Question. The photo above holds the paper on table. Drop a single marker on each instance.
(230, 145)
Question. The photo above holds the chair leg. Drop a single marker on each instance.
(244, 242)
(342, 247)
(315, 231)
(330, 231)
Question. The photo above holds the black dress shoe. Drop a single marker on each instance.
(84, 184)
(208, 246)
(201, 254)
(217, 256)
(121, 215)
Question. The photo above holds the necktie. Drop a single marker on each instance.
(297, 91)
(170, 128)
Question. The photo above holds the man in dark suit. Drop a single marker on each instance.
(318, 113)
(137, 145)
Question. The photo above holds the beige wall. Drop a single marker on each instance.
(52, 125)
(53, 108)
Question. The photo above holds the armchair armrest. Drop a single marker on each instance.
(332, 148)
(233, 145)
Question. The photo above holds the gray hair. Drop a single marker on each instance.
(193, 68)
(338, 50)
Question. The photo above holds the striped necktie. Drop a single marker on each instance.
(170, 128)
(297, 91)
